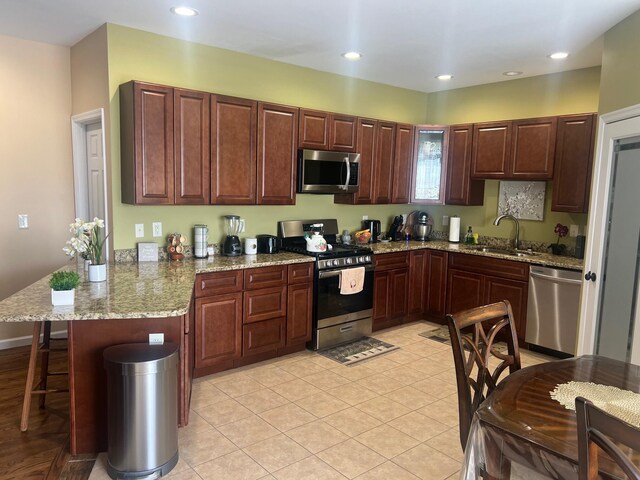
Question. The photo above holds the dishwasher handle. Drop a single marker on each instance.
(555, 279)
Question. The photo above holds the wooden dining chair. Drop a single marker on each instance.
(597, 428)
(473, 351)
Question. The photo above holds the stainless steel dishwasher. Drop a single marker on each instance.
(553, 308)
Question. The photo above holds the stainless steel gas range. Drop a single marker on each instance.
(337, 318)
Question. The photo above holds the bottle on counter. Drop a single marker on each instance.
(468, 238)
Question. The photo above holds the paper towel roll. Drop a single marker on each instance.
(454, 229)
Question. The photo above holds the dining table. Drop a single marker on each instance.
(520, 423)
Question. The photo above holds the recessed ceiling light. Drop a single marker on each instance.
(512, 73)
(444, 77)
(352, 55)
(559, 55)
(184, 11)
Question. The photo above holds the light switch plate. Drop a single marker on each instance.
(574, 230)
(23, 221)
(139, 230)
(156, 338)
(157, 229)
(445, 220)
(147, 252)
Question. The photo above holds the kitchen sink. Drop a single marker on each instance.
(504, 251)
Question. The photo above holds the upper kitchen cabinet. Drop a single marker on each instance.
(367, 135)
(147, 136)
(233, 151)
(327, 131)
(429, 164)
(191, 139)
(383, 162)
(277, 148)
(574, 159)
(460, 188)
(402, 161)
(491, 150)
(514, 150)
(533, 145)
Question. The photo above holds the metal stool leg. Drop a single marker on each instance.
(26, 405)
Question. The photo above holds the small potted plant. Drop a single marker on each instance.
(63, 287)
(559, 248)
(88, 242)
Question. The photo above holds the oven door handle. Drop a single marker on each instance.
(336, 273)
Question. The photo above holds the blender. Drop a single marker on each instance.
(233, 225)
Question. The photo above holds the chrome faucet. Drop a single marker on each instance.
(516, 241)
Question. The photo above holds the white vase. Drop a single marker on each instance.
(63, 297)
(98, 273)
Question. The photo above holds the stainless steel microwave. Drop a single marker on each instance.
(328, 172)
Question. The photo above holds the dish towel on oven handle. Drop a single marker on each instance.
(351, 280)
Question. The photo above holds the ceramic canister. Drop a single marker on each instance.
(250, 246)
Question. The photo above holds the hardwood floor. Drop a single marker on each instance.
(42, 451)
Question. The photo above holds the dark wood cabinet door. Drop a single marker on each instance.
(533, 145)
(574, 161)
(299, 312)
(418, 280)
(263, 277)
(402, 163)
(261, 337)
(398, 283)
(491, 150)
(277, 150)
(300, 273)
(436, 285)
(460, 188)
(314, 130)
(381, 306)
(343, 133)
(366, 147)
(264, 304)
(218, 329)
(233, 151)
(383, 163)
(153, 144)
(192, 152)
(498, 289)
(464, 290)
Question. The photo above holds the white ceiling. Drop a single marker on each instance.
(404, 42)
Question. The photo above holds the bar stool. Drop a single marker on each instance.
(40, 388)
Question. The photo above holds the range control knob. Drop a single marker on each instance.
(367, 258)
(349, 261)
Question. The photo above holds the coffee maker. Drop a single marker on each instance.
(374, 228)
(233, 225)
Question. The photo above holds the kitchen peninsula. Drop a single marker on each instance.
(142, 298)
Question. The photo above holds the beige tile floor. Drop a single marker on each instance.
(304, 417)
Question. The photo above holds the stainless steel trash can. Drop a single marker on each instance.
(142, 391)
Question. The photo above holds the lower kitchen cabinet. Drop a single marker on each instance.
(427, 284)
(299, 312)
(218, 329)
(264, 336)
(473, 281)
(390, 284)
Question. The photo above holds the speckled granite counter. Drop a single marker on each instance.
(132, 290)
(539, 258)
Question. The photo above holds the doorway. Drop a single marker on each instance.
(90, 168)
(610, 307)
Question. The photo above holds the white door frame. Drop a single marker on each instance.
(612, 126)
(79, 141)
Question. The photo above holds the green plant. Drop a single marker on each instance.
(64, 280)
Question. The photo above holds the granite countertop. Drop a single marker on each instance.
(164, 289)
(544, 259)
(132, 290)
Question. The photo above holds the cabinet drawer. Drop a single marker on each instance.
(264, 304)
(265, 336)
(218, 282)
(390, 261)
(255, 278)
(300, 273)
(490, 266)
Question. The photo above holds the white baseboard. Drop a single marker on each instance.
(26, 340)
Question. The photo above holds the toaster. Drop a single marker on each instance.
(268, 243)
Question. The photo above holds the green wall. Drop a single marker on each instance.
(134, 54)
(576, 91)
(620, 82)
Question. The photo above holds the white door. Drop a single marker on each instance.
(609, 319)
(95, 171)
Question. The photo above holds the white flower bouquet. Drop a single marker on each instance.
(87, 240)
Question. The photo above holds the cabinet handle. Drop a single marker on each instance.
(590, 276)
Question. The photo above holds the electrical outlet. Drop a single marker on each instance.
(445, 220)
(157, 229)
(139, 230)
(23, 221)
(365, 217)
(156, 338)
(573, 230)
